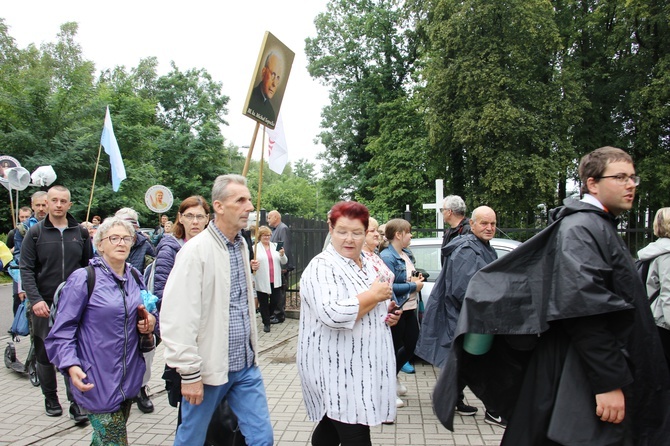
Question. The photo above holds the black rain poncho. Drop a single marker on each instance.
(570, 319)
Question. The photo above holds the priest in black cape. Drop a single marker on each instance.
(572, 329)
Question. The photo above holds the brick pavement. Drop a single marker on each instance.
(23, 422)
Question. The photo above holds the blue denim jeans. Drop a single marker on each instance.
(245, 393)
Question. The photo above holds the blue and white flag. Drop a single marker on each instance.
(108, 141)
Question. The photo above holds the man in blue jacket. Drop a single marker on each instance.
(465, 255)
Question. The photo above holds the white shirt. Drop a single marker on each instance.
(346, 367)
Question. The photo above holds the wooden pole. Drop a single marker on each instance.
(251, 149)
(95, 174)
(258, 201)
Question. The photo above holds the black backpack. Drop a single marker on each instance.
(90, 282)
(642, 267)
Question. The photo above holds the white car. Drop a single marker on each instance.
(427, 256)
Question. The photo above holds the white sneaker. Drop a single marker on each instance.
(400, 388)
(399, 403)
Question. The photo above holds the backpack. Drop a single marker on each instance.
(150, 276)
(642, 267)
(90, 282)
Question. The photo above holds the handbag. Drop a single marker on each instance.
(20, 324)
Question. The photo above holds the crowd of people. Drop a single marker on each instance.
(561, 340)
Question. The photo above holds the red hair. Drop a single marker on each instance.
(349, 209)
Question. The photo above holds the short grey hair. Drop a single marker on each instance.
(108, 224)
(220, 189)
(455, 204)
(38, 196)
(128, 214)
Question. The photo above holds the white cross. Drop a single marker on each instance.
(439, 197)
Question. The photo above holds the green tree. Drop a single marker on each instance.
(497, 104)
(364, 50)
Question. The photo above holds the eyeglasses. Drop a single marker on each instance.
(623, 178)
(444, 209)
(116, 239)
(191, 217)
(354, 235)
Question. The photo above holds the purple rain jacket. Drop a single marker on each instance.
(100, 335)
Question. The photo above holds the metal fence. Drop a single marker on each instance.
(308, 237)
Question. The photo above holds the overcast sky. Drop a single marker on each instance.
(223, 37)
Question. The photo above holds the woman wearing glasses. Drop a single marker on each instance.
(95, 338)
(268, 276)
(192, 218)
(345, 350)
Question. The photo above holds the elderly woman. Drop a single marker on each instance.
(95, 339)
(268, 276)
(345, 350)
(658, 278)
(408, 282)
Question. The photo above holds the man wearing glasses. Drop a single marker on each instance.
(576, 357)
(453, 214)
(259, 102)
(52, 249)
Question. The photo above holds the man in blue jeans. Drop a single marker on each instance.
(208, 323)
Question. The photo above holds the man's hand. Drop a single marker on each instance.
(254, 265)
(193, 393)
(611, 406)
(41, 309)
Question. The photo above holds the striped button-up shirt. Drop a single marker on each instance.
(346, 367)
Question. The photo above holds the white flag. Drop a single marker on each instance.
(108, 141)
(277, 148)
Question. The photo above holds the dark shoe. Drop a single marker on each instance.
(494, 419)
(76, 415)
(464, 409)
(266, 328)
(53, 407)
(276, 320)
(143, 402)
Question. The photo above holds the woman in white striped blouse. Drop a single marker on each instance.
(345, 354)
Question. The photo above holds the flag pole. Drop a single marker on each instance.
(95, 174)
(258, 201)
(251, 149)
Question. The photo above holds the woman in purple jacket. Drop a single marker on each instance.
(95, 339)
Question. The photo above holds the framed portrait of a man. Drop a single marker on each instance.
(267, 86)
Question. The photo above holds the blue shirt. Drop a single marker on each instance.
(240, 353)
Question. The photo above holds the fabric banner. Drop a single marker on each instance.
(108, 141)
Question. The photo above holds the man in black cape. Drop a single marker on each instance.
(575, 358)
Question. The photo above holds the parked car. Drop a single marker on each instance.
(427, 255)
(147, 231)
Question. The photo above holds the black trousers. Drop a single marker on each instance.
(268, 303)
(334, 433)
(405, 336)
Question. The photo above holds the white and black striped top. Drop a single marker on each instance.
(347, 367)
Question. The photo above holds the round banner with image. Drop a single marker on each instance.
(7, 162)
(158, 198)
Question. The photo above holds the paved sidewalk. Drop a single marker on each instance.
(23, 421)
